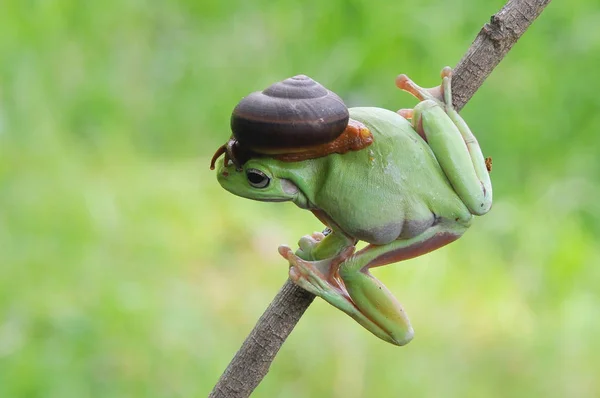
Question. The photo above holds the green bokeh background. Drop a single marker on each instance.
(126, 271)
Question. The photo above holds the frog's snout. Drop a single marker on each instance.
(226, 174)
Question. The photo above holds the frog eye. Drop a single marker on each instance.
(257, 178)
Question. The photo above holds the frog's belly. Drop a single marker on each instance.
(399, 230)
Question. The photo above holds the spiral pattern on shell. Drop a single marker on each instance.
(294, 113)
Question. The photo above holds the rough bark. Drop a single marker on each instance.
(492, 43)
(251, 363)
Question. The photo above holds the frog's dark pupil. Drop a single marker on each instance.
(255, 178)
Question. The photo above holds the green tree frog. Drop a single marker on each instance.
(413, 189)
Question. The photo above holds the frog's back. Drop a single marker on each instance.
(394, 186)
(399, 158)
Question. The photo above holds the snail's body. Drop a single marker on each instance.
(412, 189)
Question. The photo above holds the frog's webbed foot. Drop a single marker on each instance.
(318, 277)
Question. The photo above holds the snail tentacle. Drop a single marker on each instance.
(229, 150)
(221, 150)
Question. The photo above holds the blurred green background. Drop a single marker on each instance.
(126, 271)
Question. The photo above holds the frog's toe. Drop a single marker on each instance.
(446, 72)
(404, 83)
(308, 242)
(285, 251)
(318, 236)
(446, 87)
(294, 261)
(406, 113)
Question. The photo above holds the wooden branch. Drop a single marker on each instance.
(251, 363)
(491, 45)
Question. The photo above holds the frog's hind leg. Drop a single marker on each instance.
(358, 293)
(480, 187)
(371, 297)
(452, 142)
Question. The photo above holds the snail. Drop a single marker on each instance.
(292, 120)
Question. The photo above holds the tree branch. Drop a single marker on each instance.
(492, 43)
(251, 363)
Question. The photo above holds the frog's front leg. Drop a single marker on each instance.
(322, 279)
(361, 295)
(452, 142)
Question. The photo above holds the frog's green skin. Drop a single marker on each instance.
(401, 194)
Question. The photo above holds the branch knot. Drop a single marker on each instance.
(501, 34)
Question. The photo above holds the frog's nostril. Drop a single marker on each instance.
(225, 173)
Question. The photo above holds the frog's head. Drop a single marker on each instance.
(263, 179)
(296, 119)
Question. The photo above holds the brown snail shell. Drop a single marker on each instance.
(294, 113)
